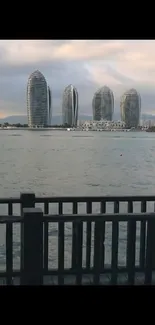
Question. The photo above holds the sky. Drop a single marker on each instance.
(87, 64)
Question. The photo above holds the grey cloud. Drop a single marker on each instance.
(13, 82)
(15, 70)
(148, 101)
(2, 54)
(119, 76)
(58, 73)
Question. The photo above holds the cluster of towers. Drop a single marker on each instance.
(39, 104)
(130, 106)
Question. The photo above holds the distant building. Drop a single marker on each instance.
(103, 104)
(130, 107)
(70, 106)
(37, 100)
(49, 106)
(147, 123)
(101, 125)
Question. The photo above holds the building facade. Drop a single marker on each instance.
(37, 100)
(130, 107)
(70, 106)
(103, 104)
(101, 125)
(49, 106)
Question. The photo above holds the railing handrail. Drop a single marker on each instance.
(94, 199)
(84, 217)
(107, 217)
(81, 199)
(10, 219)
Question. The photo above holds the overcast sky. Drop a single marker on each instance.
(88, 65)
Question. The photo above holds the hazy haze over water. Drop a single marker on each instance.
(75, 163)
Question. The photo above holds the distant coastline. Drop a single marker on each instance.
(151, 129)
(57, 119)
(58, 128)
(19, 126)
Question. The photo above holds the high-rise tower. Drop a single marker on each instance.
(37, 100)
(49, 106)
(130, 106)
(70, 106)
(103, 104)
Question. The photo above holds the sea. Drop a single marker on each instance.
(61, 163)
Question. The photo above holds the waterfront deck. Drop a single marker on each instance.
(34, 261)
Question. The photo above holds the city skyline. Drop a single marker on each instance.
(39, 104)
(88, 64)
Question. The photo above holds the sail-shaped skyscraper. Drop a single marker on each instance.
(70, 106)
(37, 100)
(103, 104)
(49, 105)
(130, 106)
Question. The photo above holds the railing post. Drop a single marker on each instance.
(32, 247)
(27, 201)
(153, 244)
(149, 263)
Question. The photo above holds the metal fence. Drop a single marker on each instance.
(34, 239)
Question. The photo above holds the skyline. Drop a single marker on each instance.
(88, 65)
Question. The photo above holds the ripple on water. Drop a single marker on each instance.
(73, 164)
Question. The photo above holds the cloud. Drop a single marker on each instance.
(87, 64)
(22, 52)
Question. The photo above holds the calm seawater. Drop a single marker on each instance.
(75, 163)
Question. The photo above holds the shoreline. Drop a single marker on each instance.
(69, 130)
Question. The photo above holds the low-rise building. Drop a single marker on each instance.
(101, 125)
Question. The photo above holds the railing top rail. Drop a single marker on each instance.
(83, 217)
(10, 200)
(10, 219)
(99, 217)
(80, 199)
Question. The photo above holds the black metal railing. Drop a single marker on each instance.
(35, 239)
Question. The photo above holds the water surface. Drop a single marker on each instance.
(65, 163)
